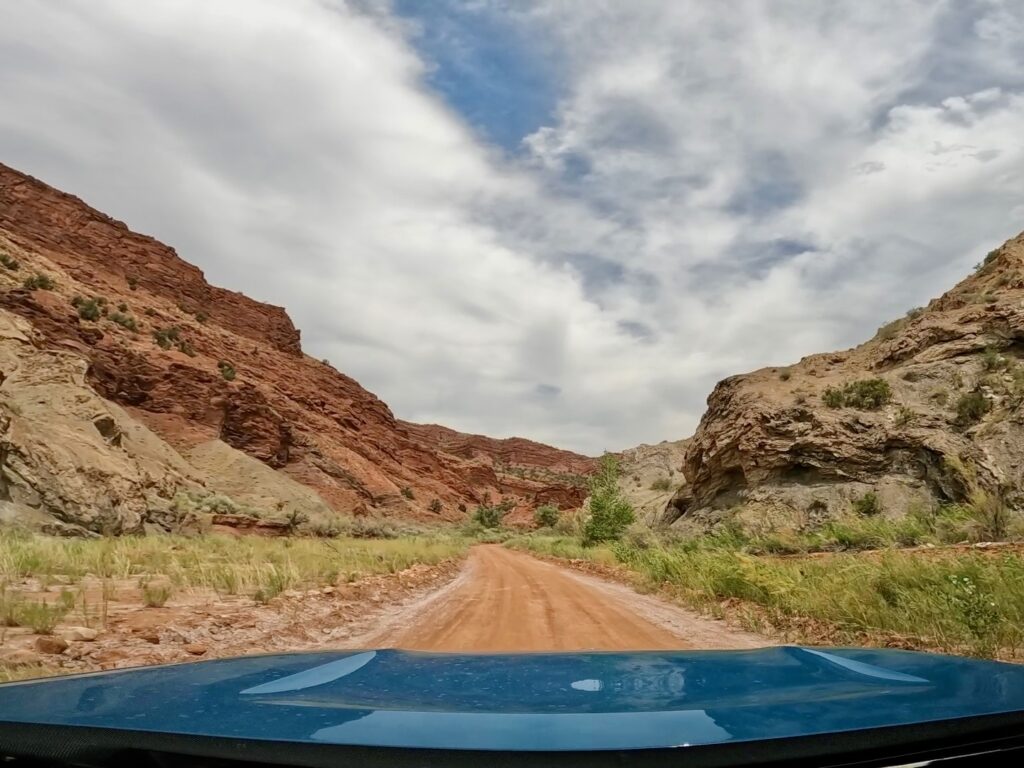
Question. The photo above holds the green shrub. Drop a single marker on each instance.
(9, 261)
(867, 505)
(133, 283)
(88, 309)
(905, 416)
(165, 338)
(971, 407)
(408, 493)
(122, 307)
(39, 282)
(227, 370)
(610, 513)
(991, 360)
(156, 595)
(436, 506)
(125, 321)
(661, 484)
(546, 516)
(185, 347)
(202, 317)
(867, 394)
(491, 515)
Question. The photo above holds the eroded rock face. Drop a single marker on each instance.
(70, 461)
(196, 363)
(650, 475)
(770, 442)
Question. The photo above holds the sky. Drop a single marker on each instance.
(563, 220)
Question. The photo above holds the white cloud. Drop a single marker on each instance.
(720, 187)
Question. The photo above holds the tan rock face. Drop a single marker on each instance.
(231, 369)
(770, 440)
(650, 475)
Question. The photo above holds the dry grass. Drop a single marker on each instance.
(246, 565)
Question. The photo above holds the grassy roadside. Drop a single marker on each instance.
(959, 602)
(46, 581)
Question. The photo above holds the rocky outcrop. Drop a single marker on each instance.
(195, 363)
(921, 414)
(70, 462)
(650, 475)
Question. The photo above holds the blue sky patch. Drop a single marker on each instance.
(493, 71)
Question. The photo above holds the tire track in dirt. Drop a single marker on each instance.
(508, 601)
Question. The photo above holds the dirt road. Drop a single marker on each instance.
(510, 601)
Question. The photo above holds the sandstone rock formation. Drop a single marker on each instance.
(650, 475)
(925, 412)
(194, 363)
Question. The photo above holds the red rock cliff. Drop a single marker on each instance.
(196, 362)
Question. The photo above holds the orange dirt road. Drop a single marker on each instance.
(509, 601)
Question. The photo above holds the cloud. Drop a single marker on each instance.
(700, 190)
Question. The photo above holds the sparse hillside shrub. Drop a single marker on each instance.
(9, 261)
(185, 347)
(991, 360)
(149, 312)
(905, 416)
(867, 505)
(889, 331)
(295, 520)
(88, 309)
(133, 283)
(38, 616)
(546, 516)
(125, 321)
(610, 513)
(971, 407)
(165, 338)
(436, 506)
(989, 257)
(227, 370)
(661, 484)
(867, 394)
(202, 317)
(990, 516)
(39, 282)
(785, 375)
(122, 307)
(408, 493)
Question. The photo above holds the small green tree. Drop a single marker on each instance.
(610, 512)
(546, 516)
(492, 515)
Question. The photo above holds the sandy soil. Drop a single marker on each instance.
(510, 601)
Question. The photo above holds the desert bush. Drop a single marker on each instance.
(227, 370)
(491, 515)
(122, 307)
(546, 516)
(661, 484)
(991, 360)
(867, 505)
(609, 512)
(408, 493)
(9, 261)
(88, 309)
(165, 338)
(867, 394)
(971, 407)
(156, 595)
(905, 416)
(133, 283)
(436, 506)
(125, 321)
(39, 282)
(785, 375)
(201, 316)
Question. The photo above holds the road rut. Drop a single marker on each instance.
(509, 601)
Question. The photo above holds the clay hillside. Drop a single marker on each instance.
(928, 412)
(135, 395)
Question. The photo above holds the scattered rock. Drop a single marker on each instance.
(196, 649)
(85, 634)
(150, 636)
(51, 644)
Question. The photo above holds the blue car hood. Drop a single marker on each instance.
(526, 702)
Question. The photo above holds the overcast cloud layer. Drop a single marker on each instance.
(699, 188)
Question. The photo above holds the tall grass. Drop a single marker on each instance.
(962, 602)
(229, 565)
